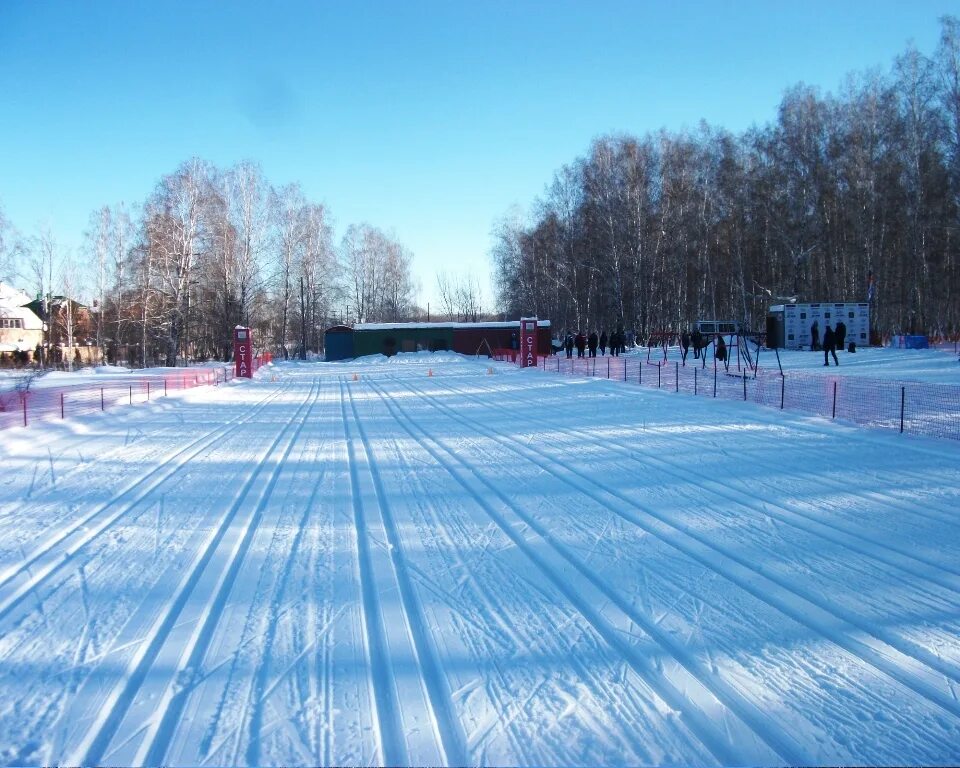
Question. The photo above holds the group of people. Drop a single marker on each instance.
(617, 341)
(699, 342)
(832, 339)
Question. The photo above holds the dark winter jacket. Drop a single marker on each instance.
(841, 334)
(829, 340)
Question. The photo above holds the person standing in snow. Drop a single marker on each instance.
(684, 346)
(568, 344)
(581, 343)
(721, 349)
(592, 341)
(840, 334)
(829, 346)
(697, 339)
(815, 336)
(603, 343)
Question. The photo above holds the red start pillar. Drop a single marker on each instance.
(243, 352)
(528, 342)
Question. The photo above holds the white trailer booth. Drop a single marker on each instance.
(788, 325)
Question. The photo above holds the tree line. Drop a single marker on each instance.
(211, 249)
(843, 194)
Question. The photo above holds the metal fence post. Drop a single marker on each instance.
(714, 380)
(131, 394)
(164, 386)
(744, 386)
(694, 380)
(658, 376)
(834, 414)
(148, 391)
(783, 386)
(676, 373)
(24, 410)
(903, 399)
(101, 398)
(608, 367)
(61, 405)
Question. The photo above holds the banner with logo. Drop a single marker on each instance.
(528, 342)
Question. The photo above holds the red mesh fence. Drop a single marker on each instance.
(912, 407)
(945, 345)
(22, 407)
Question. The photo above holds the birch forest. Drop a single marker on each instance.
(840, 191)
(211, 249)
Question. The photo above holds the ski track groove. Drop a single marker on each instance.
(97, 741)
(383, 690)
(700, 725)
(810, 525)
(935, 511)
(894, 663)
(494, 610)
(466, 616)
(139, 489)
(259, 684)
(153, 749)
(433, 681)
(858, 540)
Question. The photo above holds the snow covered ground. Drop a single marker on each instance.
(91, 375)
(418, 561)
(925, 365)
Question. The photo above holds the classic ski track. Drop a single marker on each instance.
(936, 512)
(516, 739)
(894, 663)
(808, 524)
(493, 608)
(130, 495)
(153, 749)
(939, 513)
(858, 541)
(487, 597)
(433, 680)
(259, 681)
(113, 710)
(701, 727)
(382, 685)
(251, 719)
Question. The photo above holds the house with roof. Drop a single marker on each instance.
(21, 330)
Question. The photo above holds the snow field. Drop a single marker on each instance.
(467, 568)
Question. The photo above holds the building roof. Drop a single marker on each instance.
(12, 304)
(446, 326)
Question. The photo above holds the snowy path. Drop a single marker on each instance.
(471, 569)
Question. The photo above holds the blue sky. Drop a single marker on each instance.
(427, 119)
